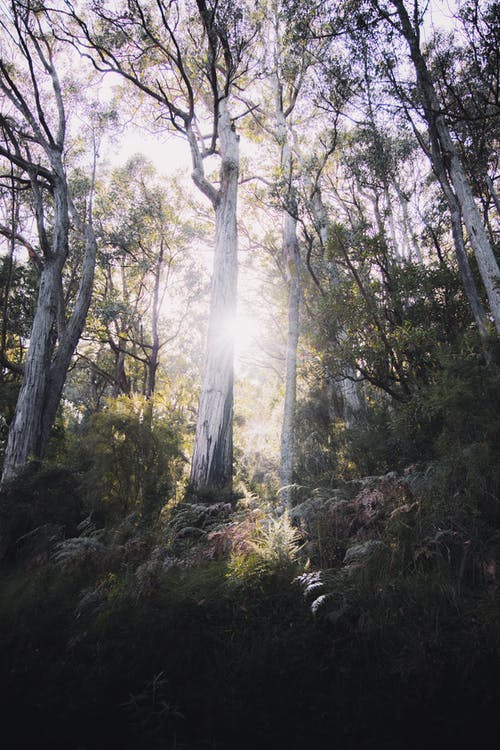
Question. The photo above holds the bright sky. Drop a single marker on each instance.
(168, 153)
(440, 15)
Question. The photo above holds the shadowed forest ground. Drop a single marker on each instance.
(364, 623)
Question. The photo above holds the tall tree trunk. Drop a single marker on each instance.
(291, 262)
(52, 344)
(487, 264)
(154, 357)
(212, 463)
(478, 311)
(25, 439)
(413, 248)
(287, 447)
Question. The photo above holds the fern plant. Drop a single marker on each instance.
(278, 541)
(276, 546)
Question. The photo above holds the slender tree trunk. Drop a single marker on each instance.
(155, 336)
(487, 264)
(9, 267)
(212, 463)
(413, 248)
(478, 311)
(152, 367)
(493, 193)
(291, 262)
(287, 447)
(120, 380)
(392, 224)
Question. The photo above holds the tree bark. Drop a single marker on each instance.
(413, 249)
(52, 344)
(154, 358)
(212, 463)
(287, 443)
(478, 311)
(493, 193)
(25, 439)
(54, 334)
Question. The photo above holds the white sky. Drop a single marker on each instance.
(168, 153)
(440, 15)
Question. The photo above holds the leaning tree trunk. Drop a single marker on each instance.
(212, 463)
(69, 334)
(478, 311)
(486, 261)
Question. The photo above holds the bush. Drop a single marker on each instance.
(44, 495)
(132, 451)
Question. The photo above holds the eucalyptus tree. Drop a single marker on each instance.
(280, 116)
(287, 75)
(383, 153)
(386, 28)
(286, 116)
(442, 149)
(33, 127)
(186, 58)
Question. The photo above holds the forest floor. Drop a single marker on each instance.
(362, 619)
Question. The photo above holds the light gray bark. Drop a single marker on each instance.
(413, 248)
(291, 263)
(287, 443)
(198, 57)
(478, 311)
(52, 344)
(392, 224)
(212, 463)
(493, 193)
(154, 358)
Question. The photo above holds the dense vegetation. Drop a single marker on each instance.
(340, 586)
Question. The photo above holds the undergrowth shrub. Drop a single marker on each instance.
(44, 495)
(133, 453)
(273, 548)
(452, 416)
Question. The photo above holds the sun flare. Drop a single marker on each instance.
(243, 330)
